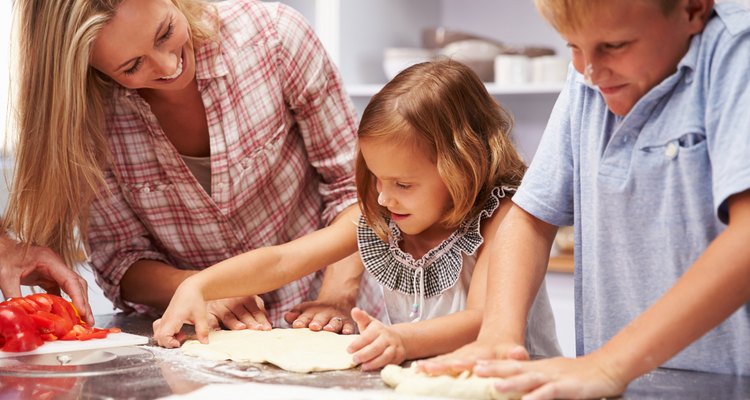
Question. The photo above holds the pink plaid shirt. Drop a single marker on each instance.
(282, 134)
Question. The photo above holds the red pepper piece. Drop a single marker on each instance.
(51, 323)
(28, 306)
(18, 330)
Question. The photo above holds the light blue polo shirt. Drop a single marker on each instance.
(647, 192)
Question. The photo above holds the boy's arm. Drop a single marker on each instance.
(255, 272)
(714, 287)
(518, 263)
(518, 259)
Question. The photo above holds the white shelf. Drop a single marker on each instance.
(367, 90)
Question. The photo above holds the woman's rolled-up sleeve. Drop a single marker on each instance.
(324, 112)
(117, 239)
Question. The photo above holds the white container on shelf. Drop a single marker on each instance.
(549, 69)
(512, 70)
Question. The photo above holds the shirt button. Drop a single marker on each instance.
(671, 151)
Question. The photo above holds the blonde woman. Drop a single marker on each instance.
(172, 135)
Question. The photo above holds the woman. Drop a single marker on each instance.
(176, 134)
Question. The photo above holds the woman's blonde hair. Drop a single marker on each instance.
(59, 114)
(443, 107)
(570, 15)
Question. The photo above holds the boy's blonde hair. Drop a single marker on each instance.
(442, 107)
(59, 117)
(570, 15)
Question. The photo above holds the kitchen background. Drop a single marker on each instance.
(371, 40)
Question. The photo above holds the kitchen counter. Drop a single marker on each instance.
(150, 372)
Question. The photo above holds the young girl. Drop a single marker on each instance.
(434, 174)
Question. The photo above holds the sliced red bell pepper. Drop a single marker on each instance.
(28, 306)
(50, 323)
(18, 330)
(47, 317)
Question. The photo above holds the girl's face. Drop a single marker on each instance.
(146, 45)
(409, 185)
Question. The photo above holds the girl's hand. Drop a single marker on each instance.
(186, 306)
(377, 345)
(238, 313)
(318, 315)
(581, 378)
(466, 357)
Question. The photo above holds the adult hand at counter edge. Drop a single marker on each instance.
(40, 266)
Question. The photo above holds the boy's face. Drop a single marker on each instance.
(631, 46)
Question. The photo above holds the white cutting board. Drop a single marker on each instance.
(67, 346)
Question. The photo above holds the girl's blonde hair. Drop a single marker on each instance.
(443, 107)
(59, 114)
(570, 15)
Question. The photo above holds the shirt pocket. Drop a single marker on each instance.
(153, 203)
(680, 146)
(256, 166)
(677, 170)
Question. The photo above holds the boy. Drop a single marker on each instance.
(647, 154)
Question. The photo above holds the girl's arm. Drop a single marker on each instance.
(381, 345)
(255, 272)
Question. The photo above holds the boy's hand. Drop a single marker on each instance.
(238, 313)
(319, 315)
(377, 345)
(582, 378)
(186, 306)
(466, 357)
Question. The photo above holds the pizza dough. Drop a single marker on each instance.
(296, 350)
(409, 381)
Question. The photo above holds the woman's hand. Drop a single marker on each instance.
(378, 345)
(41, 267)
(582, 378)
(238, 313)
(466, 357)
(317, 315)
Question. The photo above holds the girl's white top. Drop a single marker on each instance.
(437, 284)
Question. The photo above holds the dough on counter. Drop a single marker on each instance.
(409, 381)
(296, 350)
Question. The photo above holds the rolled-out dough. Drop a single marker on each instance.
(409, 381)
(296, 350)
